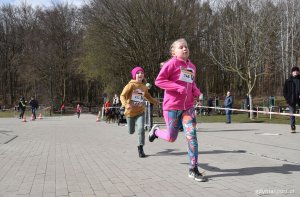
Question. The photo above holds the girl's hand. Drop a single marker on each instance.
(198, 102)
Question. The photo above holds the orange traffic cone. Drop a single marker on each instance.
(32, 117)
(24, 119)
(40, 116)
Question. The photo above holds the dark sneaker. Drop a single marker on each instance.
(151, 134)
(141, 151)
(293, 129)
(181, 129)
(196, 175)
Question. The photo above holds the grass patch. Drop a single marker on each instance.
(243, 118)
(8, 114)
(235, 118)
(238, 118)
(15, 114)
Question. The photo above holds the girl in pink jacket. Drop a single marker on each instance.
(177, 78)
(78, 110)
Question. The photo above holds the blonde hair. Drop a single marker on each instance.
(172, 47)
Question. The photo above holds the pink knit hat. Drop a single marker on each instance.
(135, 70)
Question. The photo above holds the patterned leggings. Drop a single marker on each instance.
(187, 119)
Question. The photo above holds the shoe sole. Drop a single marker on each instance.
(150, 136)
(199, 180)
(152, 131)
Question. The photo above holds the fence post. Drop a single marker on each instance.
(102, 113)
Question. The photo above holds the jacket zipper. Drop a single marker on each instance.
(187, 86)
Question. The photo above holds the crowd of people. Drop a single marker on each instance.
(33, 105)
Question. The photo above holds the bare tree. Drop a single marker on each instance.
(241, 47)
(246, 46)
(60, 35)
(12, 33)
(136, 32)
(289, 32)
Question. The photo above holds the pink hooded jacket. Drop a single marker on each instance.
(179, 95)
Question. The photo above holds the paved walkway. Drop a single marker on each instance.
(67, 156)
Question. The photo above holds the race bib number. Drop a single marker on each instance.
(186, 75)
(137, 96)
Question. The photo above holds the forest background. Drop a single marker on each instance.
(68, 54)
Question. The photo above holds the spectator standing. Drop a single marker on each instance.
(228, 102)
(107, 107)
(291, 93)
(209, 104)
(62, 108)
(248, 104)
(34, 106)
(116, 101)
(78, 110)
(22, 107)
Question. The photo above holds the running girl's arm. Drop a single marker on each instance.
(150, 98)
(163, 82)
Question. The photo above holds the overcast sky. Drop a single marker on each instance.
(43, 2)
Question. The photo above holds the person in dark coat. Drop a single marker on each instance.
(34, 106)
(209, 104)
(247, 99)
(22, 107)
(228, 104)
(291, 93)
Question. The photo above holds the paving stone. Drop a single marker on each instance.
(67, 156)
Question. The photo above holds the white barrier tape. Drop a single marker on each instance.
(232, 109)
(246, 110)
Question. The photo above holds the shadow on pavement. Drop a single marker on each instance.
(254, 121)
(173, 152)
(6, 138)
(209, 131)
(284, 169)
